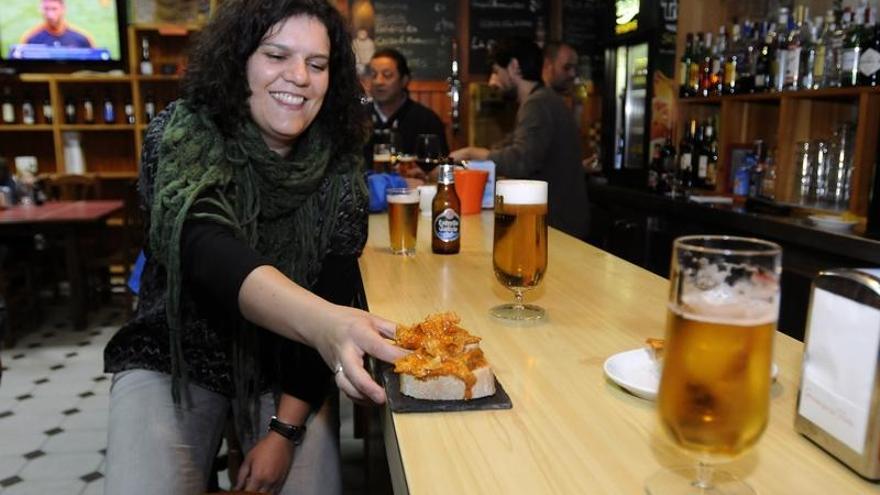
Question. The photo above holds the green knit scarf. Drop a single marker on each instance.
(270, 202)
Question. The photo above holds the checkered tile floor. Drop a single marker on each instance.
(53, 413)
(53, 408)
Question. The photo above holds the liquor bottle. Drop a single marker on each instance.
(706, 66)
(749, 53)
(128, 108)
(810, 56)
(701, 152)
(686, 157)
(795, 43)
(48, 113)
(764, 61)
(869, 64)
(667, 176)
(446, 214)
(109, 110)
(88, 107)
(780, 42)
(149, 108)
(694, 67)
(719, 54)
(687, 59)
(69, 111)
(852, 50)
(28, 114)
(8, 108)
(712, 166)
(768, 184)
(146, 65)
(734, 63)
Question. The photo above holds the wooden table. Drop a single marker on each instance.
(571, 430)
(67, 220)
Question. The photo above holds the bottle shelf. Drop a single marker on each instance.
(96, 127)
(26, 128)
(819, 94)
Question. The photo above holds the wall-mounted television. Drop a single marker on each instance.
(40, 33)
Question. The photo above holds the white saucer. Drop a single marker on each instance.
(637, 372)
(832, 222)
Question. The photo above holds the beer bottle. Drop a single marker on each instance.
(446, 214)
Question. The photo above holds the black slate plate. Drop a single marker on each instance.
(404, 404)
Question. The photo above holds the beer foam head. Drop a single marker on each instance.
(522, 192)
(403, 196)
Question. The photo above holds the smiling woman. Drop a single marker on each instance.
(257, 213)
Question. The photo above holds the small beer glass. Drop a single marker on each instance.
(403, 219)
(714, 396)
(519, 250)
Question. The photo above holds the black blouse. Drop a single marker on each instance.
(215, 264)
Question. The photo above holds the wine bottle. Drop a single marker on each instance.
(48, 113)
(8, 109)
(869, 64)
(146, 65)
(88, 107)
(69, 111)
(28, 115)
(109, 111)
(149, 107)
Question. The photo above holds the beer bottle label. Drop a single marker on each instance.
(870, 62)
(447, 225)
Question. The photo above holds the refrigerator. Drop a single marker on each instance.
(639, 90)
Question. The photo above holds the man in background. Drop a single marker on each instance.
(393, 109)
(55, 31)
(560, 66)
(544, 144)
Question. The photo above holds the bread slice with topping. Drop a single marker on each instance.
(446, 362)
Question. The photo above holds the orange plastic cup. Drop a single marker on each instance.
(469, 185)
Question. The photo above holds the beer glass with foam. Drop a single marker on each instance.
(403, 219)
(714, 396)
(519, 251)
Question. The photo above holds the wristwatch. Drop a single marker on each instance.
(293, 433)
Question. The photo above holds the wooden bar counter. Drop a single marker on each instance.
(571, 430)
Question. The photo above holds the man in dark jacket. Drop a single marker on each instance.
(544, 145)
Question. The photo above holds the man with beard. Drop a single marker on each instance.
(544, 144)
(560, 66)
(393, 109)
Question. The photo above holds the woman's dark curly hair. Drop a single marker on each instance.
(216, 76)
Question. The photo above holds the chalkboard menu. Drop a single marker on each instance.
(421, 30)
(581, 28)
(492, 20)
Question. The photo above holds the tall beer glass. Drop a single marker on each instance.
(519, 252)
(403, 219)
(714, 395)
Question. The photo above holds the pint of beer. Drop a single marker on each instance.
(714, 395)
(519, 252)
(403, 219)
(382, 157)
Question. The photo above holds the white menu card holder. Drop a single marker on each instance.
(839, 396)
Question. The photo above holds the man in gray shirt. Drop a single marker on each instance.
(544, 144)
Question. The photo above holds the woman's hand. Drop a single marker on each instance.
(265, 467)
(343, 345)
(341, 334)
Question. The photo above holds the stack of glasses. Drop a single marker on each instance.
(824, 170)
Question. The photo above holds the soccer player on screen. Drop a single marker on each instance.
(55, 31)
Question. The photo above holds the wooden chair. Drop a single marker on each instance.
(70, 187)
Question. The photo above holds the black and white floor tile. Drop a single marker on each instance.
(54, 400)
(53, 407)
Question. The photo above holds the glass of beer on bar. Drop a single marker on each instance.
(714, 396)
(519, 251)
(403, 219)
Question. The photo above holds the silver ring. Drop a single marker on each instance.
(338, 369)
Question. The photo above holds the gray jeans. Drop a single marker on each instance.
(158, 447)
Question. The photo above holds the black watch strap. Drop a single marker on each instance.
(293, 433)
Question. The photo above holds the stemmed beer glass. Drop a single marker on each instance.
(519, 251)
(714, 395)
